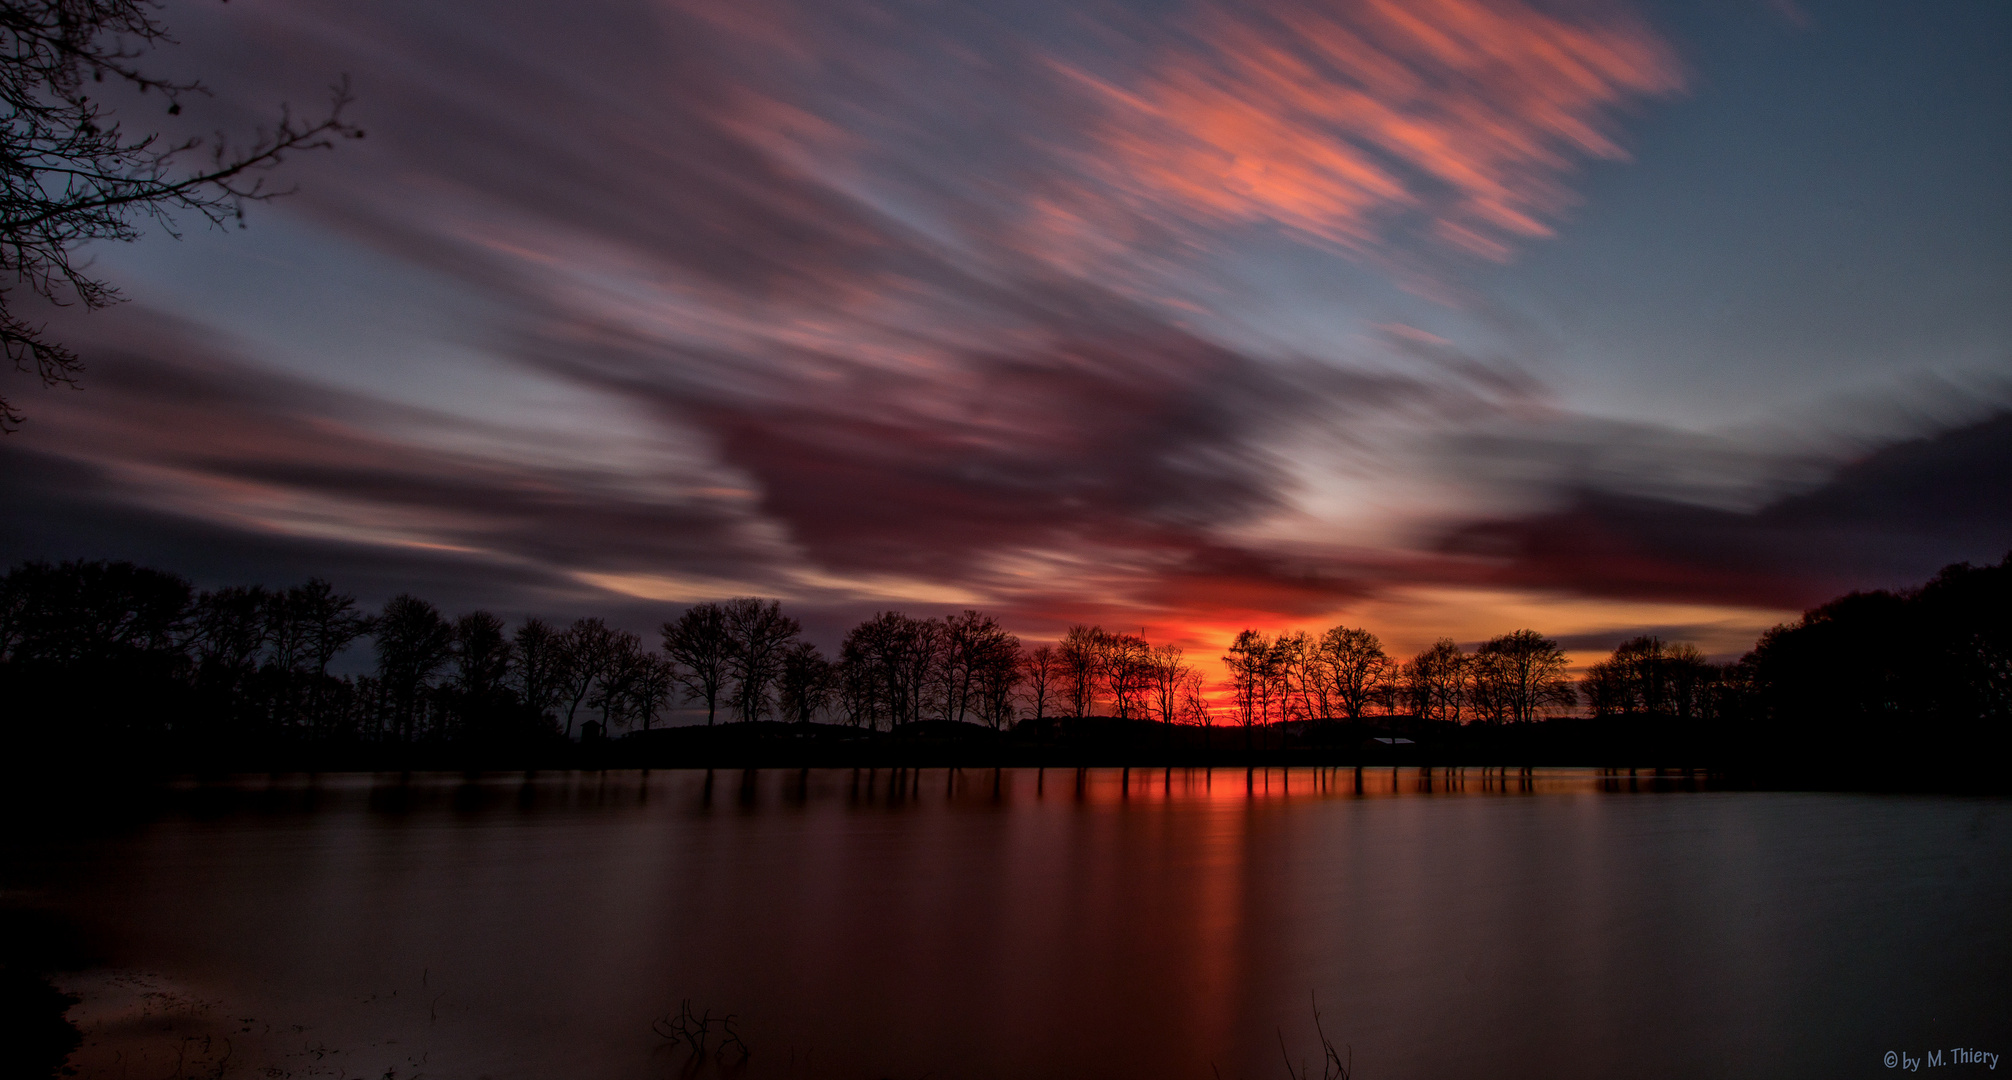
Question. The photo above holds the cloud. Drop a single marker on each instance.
(1890, 518)
(176, 423)
(1341, 121)
(919, 305)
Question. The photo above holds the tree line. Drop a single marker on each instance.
(138, 648)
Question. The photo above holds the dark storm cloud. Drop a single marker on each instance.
(1887, 519)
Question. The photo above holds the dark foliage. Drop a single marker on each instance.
(101, 660)
(35, 1035)
(1881, 681)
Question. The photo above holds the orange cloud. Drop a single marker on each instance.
(1333, 121)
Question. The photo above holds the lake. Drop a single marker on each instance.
(1026, 924)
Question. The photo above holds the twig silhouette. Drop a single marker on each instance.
(1332, 1067)
(695, 1031)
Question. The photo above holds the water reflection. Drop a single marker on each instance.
(1059, 922)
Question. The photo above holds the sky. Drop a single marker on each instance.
(1443, 317)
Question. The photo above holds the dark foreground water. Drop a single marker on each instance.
(1031, 925)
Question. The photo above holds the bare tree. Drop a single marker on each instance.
(861, 700)
(1645, 675)
(286, 633)
(328, 623)
(891, 656)
(413, 643)
(1291, 660)
(1126, 661)
(540, 671)
(1081, 658)
(1355, 667)
(1691, 679)
(807, 683)
(230, 632)
(1520, 675)
(759, 633)
(70, 173)
(615, 691)
(1169, 675)
(482, 659)
(996, 675)
(482, 654)
(1436, 681)
(1196, 708)
(1630, 681)
(590, 648)
(649, 687)
(962, 644)
(1041, 671)
(977, 661)
(701, 652)
(1249, 661)
(90, 611)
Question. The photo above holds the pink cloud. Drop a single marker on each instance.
(1337, 122)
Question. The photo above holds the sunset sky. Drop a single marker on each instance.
(1440, 317)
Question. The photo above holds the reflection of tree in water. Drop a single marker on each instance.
(694, 1034)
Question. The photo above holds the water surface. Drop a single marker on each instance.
(1024, 924)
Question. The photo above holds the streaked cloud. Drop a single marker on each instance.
(1346, 122)
(930, 305)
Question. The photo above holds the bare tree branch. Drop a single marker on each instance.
(70, 174)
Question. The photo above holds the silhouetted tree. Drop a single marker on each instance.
(1880, 681)
(1971, 662)
(1196, 708)
(482, 654)
(808, 681)
(1355, 666)
(614, 691)
(861, 699)
(413, 644)
(589, 648)
(329, 625)
(1080, 653)
(482, 659)
(286, 633)
(539, 675)
(1169, 676)
(90, 649)
(1293, 676)
(229, 637)
(1870, 681)
(701, 652)
(1693, 681)
(892, 655)
(760, 633)
(1249, 661)
(1436, 681)
(1041, 671)
(1634, 680)
(89, 611)
(70, 173)
(977, 663)
(650, 687)
(996, 675)
(1125, 662)
(1520, 676)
